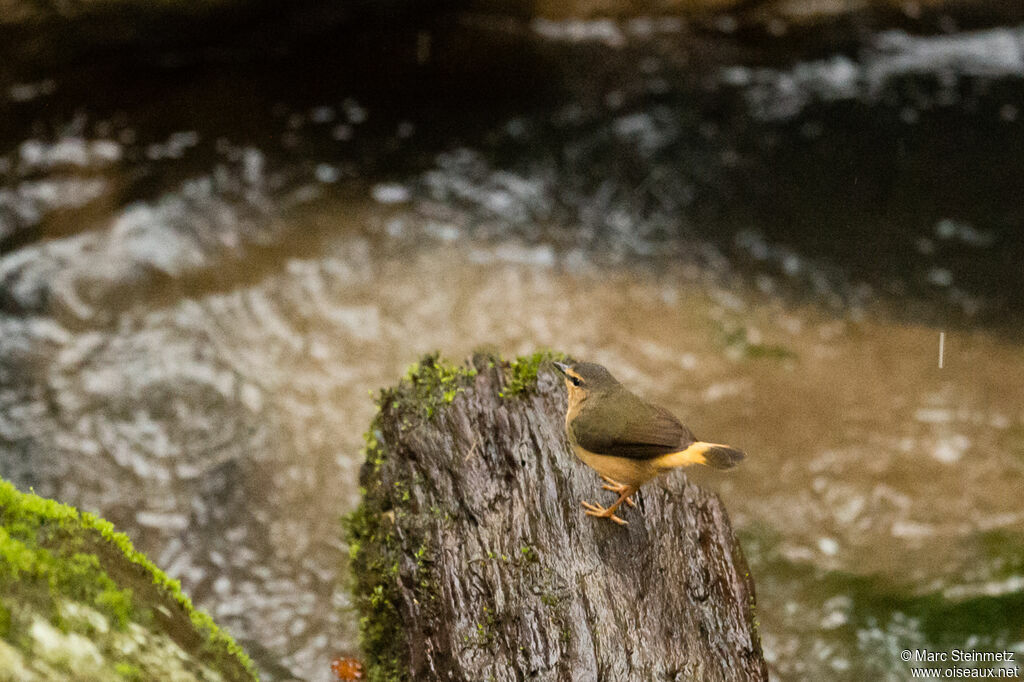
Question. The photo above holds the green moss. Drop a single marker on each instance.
(522, 372)
(50, 552)
(372, 452)
(217, 644)
(374, 555)
(486, 631)
(753, 613)
(428, 385)
(41, 577)
(373, 552)
(375, 563)
(550, 600)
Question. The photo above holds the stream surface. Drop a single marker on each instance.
(208, 261)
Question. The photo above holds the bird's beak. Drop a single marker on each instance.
(561, 367)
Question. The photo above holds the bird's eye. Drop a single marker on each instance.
(575, 381)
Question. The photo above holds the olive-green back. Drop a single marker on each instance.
(619, 423)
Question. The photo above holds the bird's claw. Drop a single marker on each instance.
(617, 488)
(602, 513)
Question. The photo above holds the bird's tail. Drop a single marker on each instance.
(713, 455)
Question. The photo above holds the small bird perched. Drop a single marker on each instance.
(627, 440)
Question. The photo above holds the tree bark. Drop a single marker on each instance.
(473, 559)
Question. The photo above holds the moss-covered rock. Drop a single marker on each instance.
(77, 601)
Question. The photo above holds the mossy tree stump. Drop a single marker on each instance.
(472, 559)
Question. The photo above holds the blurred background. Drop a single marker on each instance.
(223, 224)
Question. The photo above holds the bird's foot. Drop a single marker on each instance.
(618, 488)
(602, 513)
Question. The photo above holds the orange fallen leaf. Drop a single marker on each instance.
(347, 669)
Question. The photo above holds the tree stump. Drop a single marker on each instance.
(473, 560)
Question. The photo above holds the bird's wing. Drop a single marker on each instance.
(629, 427)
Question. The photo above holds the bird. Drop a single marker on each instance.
(626, 439)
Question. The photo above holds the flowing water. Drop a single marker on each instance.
(209, 262)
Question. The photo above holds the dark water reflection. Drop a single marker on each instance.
(209, 260)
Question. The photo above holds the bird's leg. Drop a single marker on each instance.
(609, 513)
(616, 487)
